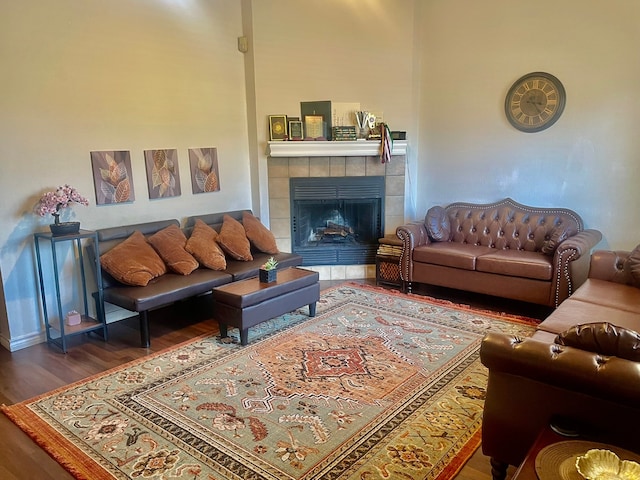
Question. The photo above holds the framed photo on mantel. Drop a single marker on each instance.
(296, 130)
(322, 108)
(277, 127)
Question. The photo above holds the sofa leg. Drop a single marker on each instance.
(145, 341)
(498, 469)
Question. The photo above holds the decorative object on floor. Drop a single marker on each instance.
(204, 170)
(55, 202)
(268, 272)
(112, 177)
(379, 385)
(163, 175)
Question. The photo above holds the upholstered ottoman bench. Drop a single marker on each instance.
(246, 303)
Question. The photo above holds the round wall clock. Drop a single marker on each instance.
(535, 102)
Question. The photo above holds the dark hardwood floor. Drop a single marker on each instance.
(38, 369)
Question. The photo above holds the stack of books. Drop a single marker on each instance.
(390, 250)
(343, 133)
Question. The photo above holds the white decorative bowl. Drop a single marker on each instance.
(606, 465)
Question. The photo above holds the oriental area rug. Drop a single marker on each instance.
(379, 385)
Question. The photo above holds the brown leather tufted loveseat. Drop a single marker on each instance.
(562, 376)
(506, 249)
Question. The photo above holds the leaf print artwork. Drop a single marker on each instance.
(112, 177)
(204, 170)
(163, 177)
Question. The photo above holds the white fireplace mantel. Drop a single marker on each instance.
(358, 148)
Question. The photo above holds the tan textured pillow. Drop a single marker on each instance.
(133, 261)
(259, 235)
(169, 243)
(202, 245)
(233, 239)
(633, 264)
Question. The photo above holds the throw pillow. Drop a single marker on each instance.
(558, 235)
(603, 338)
(133, 261)
(233, 239)
(438, 225)
(259, 235)
(169, 243)
(632, 263)
(202, 245)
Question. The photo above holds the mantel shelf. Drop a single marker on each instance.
(358, 148)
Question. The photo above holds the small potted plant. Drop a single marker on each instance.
(268, 272)
(53, 202)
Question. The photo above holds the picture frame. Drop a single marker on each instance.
(163, 175)
(205, 177)
(314, 127)
(112, 177)
(296, 130)
(277, 127)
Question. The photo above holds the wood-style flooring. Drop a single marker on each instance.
(38, 369)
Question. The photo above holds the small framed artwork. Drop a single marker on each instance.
(296, 131)
(163, 177)
(314, 127)
(277, 127)
(112, 177)
(204, 170)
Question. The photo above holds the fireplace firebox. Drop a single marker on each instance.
(336, 220)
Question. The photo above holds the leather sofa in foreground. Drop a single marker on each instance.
(505, 249)
(580, 370)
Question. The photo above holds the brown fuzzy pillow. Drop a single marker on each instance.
(603, 338)
(233, 239)
(133, 262)
(633, 264)
(202, 245)
(169, 243)
(259, 235)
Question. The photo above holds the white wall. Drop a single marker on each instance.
(472, 52)
(83, 75)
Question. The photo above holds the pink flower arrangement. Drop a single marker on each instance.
(62, 197)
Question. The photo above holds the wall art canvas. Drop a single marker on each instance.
(163, 177)
(204, 170)
(112, 176)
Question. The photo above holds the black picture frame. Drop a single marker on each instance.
(277, 127)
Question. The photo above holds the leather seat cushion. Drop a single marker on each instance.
(573, 312)
(450, 254)
(516, 263)
(610, 294)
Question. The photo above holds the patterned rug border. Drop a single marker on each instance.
(81, 466)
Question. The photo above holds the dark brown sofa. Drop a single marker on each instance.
(506, 249)
(172, 287)
(569, 375)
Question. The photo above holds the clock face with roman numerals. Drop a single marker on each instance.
(535, 102)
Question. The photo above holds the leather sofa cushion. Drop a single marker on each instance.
(609, 294)
(438, 225)
(169, 243)
(633, 265)
(603, 338)
(450, 254)
(516, 263)
(572, 312)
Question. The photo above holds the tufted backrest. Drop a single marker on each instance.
(509, 225)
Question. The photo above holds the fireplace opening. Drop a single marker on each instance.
(336, 220)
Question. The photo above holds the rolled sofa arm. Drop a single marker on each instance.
(412, 235)
(610, 378)
(533, 382)
(571, 263)
(609, 265)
